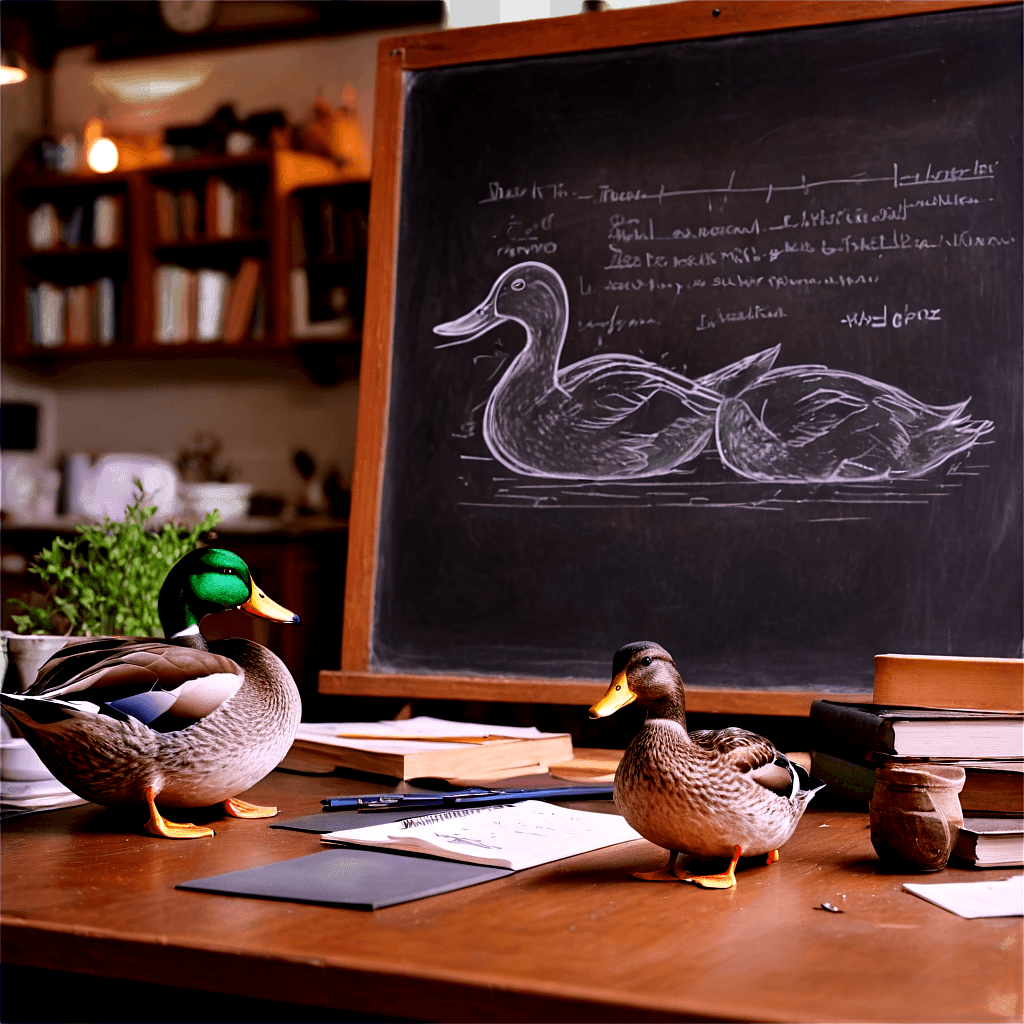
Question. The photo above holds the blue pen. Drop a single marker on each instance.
(342, 803)
(473, 797)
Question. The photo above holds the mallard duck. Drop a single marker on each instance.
(607, 417)
(810, 424)
(706, 794)
(180, 721)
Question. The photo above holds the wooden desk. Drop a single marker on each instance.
(571, 941)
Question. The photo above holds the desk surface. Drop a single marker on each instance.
(574, 940)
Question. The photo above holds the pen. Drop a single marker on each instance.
(475, 796)
(341, 803)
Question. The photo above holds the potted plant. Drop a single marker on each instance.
(103, 581)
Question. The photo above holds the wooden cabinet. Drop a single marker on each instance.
(151, 260)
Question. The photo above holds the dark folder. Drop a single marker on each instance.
(356, 879)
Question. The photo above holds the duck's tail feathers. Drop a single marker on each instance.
(805, 785)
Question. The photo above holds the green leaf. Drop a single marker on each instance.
(106, 579)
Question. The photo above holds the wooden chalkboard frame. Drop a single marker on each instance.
(567, 35)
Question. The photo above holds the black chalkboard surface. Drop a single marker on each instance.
(714, 342)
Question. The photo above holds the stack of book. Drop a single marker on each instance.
(936, 710)
(83, 314)
(426, 747)
(207, 305)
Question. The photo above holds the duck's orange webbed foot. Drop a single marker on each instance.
(158, 825)
(671, 872)
(726, 880)
(241, 809)
(772, 857)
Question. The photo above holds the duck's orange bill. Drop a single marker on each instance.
(261, 605)
(618, 696)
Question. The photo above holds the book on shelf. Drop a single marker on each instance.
(990, 787)
(241, 304)
(991, 842)
(105, 311)
(212, 288)
(188, 214)
(514, 836)
(175, 290)
(47, 315)
(43, 227)
(930, 681)
(220, 202)
(919, 732)
(71, 232)
(425, 747)
(79, 303)
(107, 218)
(166, 215)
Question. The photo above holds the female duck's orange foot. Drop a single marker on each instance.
(240, 809)
(726, 880)
(158, 825)
(772, 857)
(671, 872)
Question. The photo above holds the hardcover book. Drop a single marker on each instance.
(918, 732)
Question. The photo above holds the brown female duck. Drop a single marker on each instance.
(709, 793)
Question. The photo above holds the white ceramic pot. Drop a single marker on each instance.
(24, 656)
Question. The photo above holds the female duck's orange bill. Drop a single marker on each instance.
(618, 696)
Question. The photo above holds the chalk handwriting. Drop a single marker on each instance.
(708, 322)
(897, 319)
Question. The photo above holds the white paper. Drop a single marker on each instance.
(391, 733)
(517, 836)
(974, 899)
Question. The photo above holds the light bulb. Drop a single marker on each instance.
(102, 156)
(9, 75)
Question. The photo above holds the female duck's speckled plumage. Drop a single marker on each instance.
(182, 721)
(706, 793)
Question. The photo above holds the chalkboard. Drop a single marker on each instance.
(711, 341)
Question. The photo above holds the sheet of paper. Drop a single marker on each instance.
(974, 899)
(518, 836)
(391, 733)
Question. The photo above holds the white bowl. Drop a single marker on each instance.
(231, 500)
(20, 763)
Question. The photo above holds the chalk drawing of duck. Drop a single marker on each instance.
(608, 417)
(810, 424)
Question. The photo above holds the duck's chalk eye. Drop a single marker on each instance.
(645, 661)
(618, 687)
(518, 284)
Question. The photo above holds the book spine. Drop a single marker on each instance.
(849, 779)
(852, 727)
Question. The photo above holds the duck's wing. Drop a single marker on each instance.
(162, 685)
(749, 753)
(606, 389)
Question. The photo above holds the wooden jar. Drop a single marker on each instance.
(915, 815)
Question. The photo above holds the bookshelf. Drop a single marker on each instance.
(198, 257)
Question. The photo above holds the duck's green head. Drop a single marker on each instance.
(212, 580)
